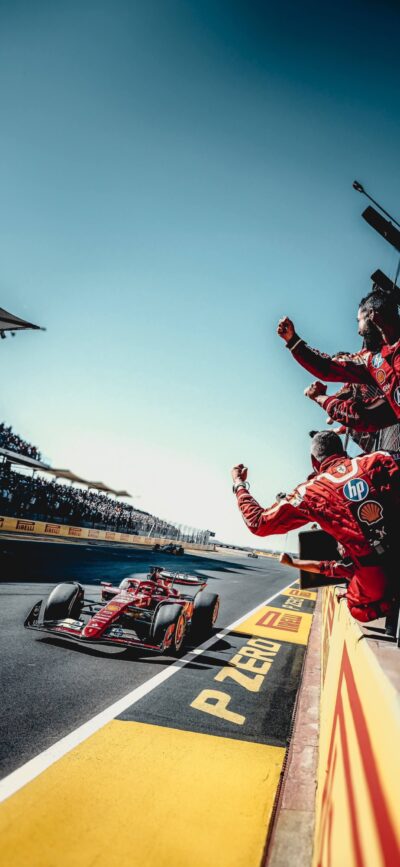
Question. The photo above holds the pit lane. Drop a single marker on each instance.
(49, 687)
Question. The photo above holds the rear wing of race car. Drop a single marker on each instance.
(183, 579)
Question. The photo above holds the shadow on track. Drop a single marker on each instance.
(139, 655)
(54, 562)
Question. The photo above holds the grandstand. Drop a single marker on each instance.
(10, 441)
(34, 495)
(9, 323)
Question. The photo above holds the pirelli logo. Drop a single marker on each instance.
(110, 536)
(29, 526)
(74, 531)
(303, 594)
(276, 620)
(52, 529)
(94, 534)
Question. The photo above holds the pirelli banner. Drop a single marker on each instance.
(64, 531)
(358, 796)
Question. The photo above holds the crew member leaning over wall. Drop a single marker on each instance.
(355, 500)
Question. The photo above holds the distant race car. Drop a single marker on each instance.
(252, 554)
(156, 612)
(169, 549)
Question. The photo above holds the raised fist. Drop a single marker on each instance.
(316, 389)
(239, 473)
(286, 560)
(285, 329)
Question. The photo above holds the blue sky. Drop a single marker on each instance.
(175, 176)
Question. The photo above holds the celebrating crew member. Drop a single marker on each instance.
(378, 312)
(352, 408)
(340, 571)
(356, 500)
(357, 408)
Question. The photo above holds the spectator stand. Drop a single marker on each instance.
(11, 323)
(22, 461)
(12, 442)
(81, 503)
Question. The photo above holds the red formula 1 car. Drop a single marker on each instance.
(156, 612)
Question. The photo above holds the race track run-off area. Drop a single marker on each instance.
(184, 768)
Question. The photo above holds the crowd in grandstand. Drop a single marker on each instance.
(40, 498)
(36, 497)
(14, 443)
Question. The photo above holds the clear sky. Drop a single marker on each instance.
(175, 176)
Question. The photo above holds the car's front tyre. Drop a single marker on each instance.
(66, 600)
(169, 628)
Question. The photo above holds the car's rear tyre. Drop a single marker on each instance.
(169, 628)
(66, 600)
(205, 613)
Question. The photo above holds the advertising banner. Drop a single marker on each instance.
(25, 525)
(359, 762)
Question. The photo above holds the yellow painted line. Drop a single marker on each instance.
(278, 624)
(137, 794)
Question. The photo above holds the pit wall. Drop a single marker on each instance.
(24, 525)
(358, 794)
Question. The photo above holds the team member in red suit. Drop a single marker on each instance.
(378, 311)
(353, 408)
(356, 500)
(358, 408)
(340, 571)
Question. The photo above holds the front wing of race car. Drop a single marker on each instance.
(72, 630)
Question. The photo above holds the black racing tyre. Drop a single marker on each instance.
(206, 607)
(166, 617)
(66, 600)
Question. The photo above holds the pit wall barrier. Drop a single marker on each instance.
(358, 794)
(24, 525)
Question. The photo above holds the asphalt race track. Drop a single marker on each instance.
(51, 687)
(97, 742)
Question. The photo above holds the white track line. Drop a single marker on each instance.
(25, 774)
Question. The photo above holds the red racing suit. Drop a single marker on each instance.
(341, 570)
(351, 408)
(357, 501)
(346, 570)
(382, 367)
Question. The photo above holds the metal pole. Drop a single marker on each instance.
(360, 189)
(151, 529)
